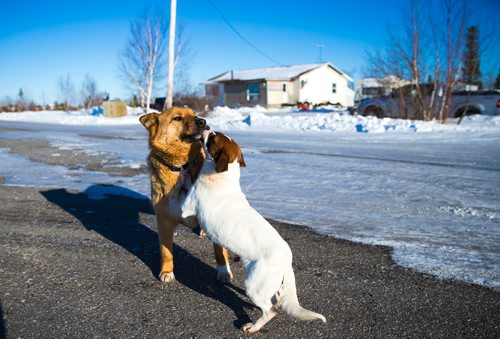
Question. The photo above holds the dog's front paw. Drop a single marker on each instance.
(167, 277)
(224, 274)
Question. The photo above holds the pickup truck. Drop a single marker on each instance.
(462, 103)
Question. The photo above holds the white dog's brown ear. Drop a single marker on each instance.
(149, 120)
(221, 162)
(241, 160)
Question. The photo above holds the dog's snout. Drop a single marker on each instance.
(202, 123)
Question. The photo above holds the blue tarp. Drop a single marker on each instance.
(247, 120)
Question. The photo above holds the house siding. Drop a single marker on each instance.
(276, 97)
(318, 87)
(235, 94)
(214, 93)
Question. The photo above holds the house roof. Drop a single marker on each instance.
(272, 73)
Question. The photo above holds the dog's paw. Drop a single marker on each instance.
(249, 328)
(167, 277)
(202, 234)
(224, 274)
(198, 230)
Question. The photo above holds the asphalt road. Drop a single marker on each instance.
(71, 266)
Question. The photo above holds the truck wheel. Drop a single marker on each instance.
(374, 110)
(469, 111)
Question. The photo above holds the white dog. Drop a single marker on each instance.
(228, 219)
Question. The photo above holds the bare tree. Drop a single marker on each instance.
(141, 60)
(428, 53)
(455, 20)
(66, 91)
(89, 94)
(183, 62)
(412, 49)
(401, 57)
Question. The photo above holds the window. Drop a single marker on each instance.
(284, 87)
(334, 88)
(303, 83)
(373, 91)
(253, 92)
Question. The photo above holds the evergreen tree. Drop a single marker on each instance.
(21, 100)
(497, 81)
(471, 72)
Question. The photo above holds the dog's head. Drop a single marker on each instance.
(174, 132)
(223, 150)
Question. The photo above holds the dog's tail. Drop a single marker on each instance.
(290, 303)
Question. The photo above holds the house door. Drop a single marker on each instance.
(286, 98)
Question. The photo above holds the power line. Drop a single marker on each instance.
(241, 36)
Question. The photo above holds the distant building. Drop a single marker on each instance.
(281, 86)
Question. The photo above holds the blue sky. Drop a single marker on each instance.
(43, 40)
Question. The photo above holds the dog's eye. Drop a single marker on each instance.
(177, 118)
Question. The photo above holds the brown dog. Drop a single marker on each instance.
(175, 152)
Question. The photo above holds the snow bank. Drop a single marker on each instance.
(275, 120)
(81, 117)
(334, 120)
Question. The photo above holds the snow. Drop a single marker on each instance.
(273, 73)
(79, 118)
(269, 73)
(337, 120)
(430, 191)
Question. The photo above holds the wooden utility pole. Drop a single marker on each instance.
(171, 45)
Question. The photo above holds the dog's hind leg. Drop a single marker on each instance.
(266, 316)
(261, 285)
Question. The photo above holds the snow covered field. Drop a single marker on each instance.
(430, 191)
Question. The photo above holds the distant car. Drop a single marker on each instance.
(462, 103)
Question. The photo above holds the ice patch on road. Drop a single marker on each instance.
(472, 212)
(26, 173)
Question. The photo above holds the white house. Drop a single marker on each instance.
(281, 86)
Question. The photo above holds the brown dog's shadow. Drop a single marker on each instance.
(113, 212)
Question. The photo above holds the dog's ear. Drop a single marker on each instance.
(241, 160)
(221, 161)
(149, 120)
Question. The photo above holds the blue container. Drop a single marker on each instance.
(360, 128)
